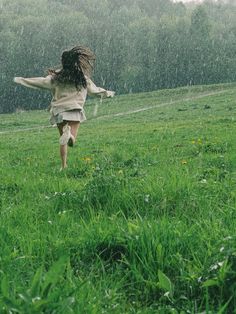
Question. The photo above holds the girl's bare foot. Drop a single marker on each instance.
(63, 168)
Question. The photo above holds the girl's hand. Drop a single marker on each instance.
(17, 79)
(110, 93)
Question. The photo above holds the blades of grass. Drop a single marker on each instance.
(5, 287)
(36, 282)
(224, 307)
(54, 274)
(165, 283)
(210, 283)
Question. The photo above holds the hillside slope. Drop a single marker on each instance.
(143, 221)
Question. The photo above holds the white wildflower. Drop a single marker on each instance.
(36, 299)
(146, 198)
(199, 279)
(228, 238)
(214, 267)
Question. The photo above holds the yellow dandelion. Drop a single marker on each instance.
(193, 142)
(87, 159)
(154, 147)
(184, 162)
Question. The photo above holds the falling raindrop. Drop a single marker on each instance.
(22, 30)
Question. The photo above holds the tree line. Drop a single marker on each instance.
(141, 45)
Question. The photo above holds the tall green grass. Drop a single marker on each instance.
(143, 220)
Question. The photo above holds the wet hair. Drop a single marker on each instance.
(76, 64)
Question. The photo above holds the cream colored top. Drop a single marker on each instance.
(65, 96)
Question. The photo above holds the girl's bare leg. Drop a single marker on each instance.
(63, 148)
(63, 153)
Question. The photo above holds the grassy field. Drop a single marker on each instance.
(142, 221)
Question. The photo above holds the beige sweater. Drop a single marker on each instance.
(65, 96)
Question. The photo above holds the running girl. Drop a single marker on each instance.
(69, 86)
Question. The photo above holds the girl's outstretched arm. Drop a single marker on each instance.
(93, 90)
(35, 82)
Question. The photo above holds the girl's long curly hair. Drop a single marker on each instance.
(76, 64)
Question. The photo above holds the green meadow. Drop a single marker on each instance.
(142, 221)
